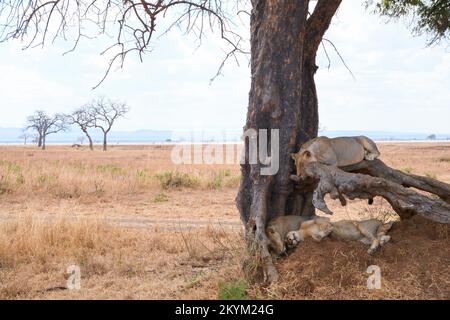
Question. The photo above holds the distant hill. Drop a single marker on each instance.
(386, 135)
(11, 135)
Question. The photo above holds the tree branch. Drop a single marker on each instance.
(318, 23)
(378, 168)
(406, 202)
(34, 21)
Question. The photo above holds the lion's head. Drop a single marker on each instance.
(304, 156)
(276, 242)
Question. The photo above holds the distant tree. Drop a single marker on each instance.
(45, 125)
(431, 137)
(84, 118)
(105, 113)
(36, 123)
(25, 136)
(80, 139)
(35, 139)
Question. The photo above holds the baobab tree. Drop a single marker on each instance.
(285, 38)
(36, 122)
(105, 113)
(84, 118)
(45, 125)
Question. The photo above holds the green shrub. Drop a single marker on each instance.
(46, 179)
(10, 176)
(142, 175)
(430, 175)
(80, 167)
(215, 182)
(109, 168)
(222, 178)
(225, 173)
(407, 170)
(233, 290)
(20, 179)
(161, 197)
(11, 167)
(170, 179)
(4, 189)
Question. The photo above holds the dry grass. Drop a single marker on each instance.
(114, 263)
(47, 197)
(64, 173)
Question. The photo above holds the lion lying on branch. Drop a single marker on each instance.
(347, 167)
(337, 152)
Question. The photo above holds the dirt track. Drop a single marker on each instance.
(137, 222)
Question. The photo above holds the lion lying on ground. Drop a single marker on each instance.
(338, 152)
(370, 232)
(278, 228)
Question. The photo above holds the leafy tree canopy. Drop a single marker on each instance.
(431, 17)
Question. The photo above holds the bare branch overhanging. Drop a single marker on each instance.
(36, 21)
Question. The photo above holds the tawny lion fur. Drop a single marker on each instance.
(338, 152)
(370, 232)
(278, 228)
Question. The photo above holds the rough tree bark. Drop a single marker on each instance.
(378, 168)
(283, 96)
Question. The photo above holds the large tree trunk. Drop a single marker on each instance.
(43, 142)
(282, 96)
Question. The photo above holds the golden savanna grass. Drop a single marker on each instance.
(63, 173)
(139, 226)
(114, 263)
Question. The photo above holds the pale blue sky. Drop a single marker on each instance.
(401, 85)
